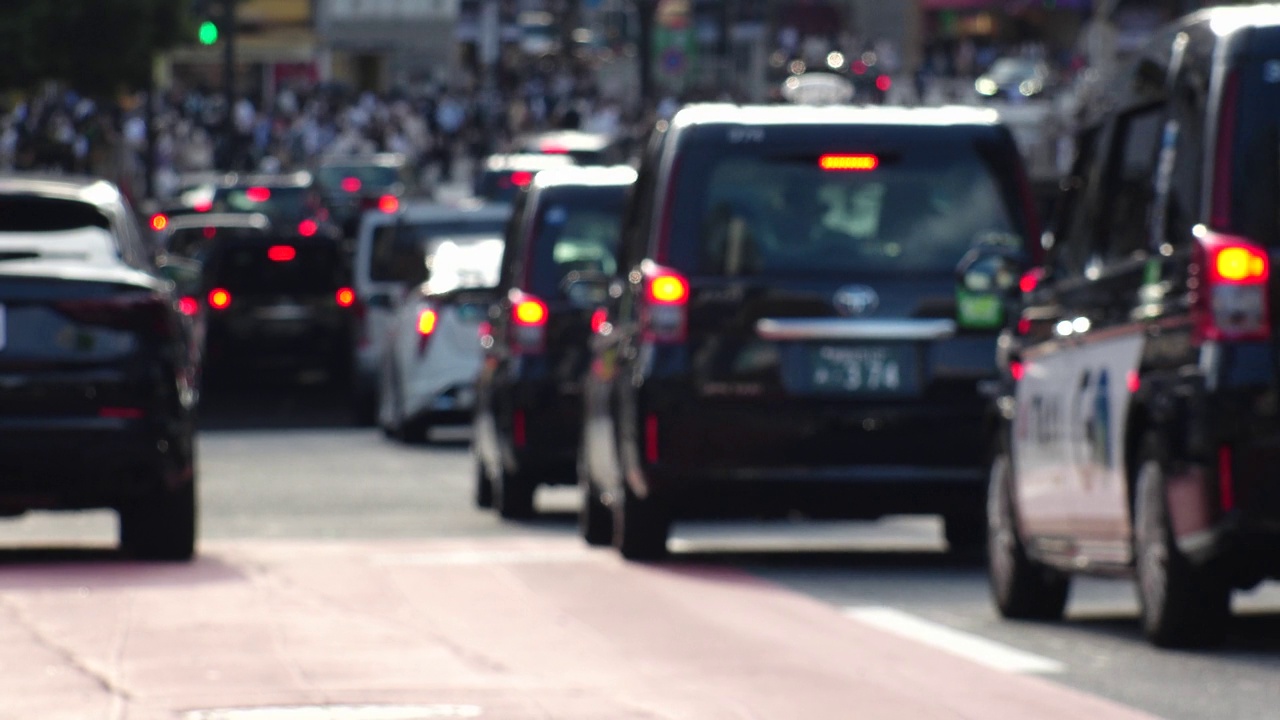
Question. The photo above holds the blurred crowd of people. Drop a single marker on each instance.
(435, 127)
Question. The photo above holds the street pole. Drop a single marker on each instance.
(229, 82)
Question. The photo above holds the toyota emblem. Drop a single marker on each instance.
(854, 300)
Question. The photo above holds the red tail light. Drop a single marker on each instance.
(258, 194)
(884, 83)
(554, 149)
(308, 228)
(188, 306)
(351, 184)
(281, 253)
(219, 299)
(1229, 277)
(143, 313)
(521, 178)
(849, 163)
(388, 203)
(203, 206)
(426, 327)
(599, 319)
(345, 297)
(528, 322)
(1017, 369)
(664, 316)
(651, 438)
(1226, 481)
(159, 221)
(1030, 280)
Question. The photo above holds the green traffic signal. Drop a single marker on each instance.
(208, 33)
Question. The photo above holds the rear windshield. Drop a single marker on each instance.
(395, 246)
(1255, 211)
(289, 204)
(267, 266)
(502, 185)
(358, 178)
(887, 203)
(38, 214)
(466, 261)
(577, 232)
(193, 241)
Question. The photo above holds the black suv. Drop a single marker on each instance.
(1143, 423)
(558, 259)
(97, 370)
(791, 335)
(293, 202)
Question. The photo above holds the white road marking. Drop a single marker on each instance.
(339, 712)
(978, 649)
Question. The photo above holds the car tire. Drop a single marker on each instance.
(1022, 588)
(513, 495)
(640, 527)
(595, 520)
(484, 486)
(1180, 605)
(413, 432)
(160, 527)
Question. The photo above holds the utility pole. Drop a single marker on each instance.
(229, 82)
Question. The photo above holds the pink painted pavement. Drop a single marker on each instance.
(504, 629)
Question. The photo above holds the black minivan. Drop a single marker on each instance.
(1143, 417)
(791, 335)
(560, 255)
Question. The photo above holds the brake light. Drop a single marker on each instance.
(203, 206)
(258, 194)
(883, 83)
(1226, 481)
(849, 163)
(1017, 370)
(554, 149)
(351, 184)
(345, 297)
(599, 319)
(1229, 277)
(388, 203)
(1024, 326)
(219, 299)
(1030, 280)
(159, 221)
(281, 253)
(188, 306)
(209, 233)
(664, 317)
(308, 228)
(521, 178)
(529, 322)
(426, 322)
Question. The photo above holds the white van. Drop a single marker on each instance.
(390, 259)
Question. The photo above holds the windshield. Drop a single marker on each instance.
(576, 234)
(398, 244)
(919, 210)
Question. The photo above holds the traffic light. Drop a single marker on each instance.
(208, 32)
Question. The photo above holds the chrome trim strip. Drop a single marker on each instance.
(854, 329)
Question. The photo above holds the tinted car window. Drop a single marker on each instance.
(370, 177)
(1255, 180)
(772, 208)
(37, 214)
(191, 241)
(278, 203)
(576, 233)
(248, 267)
(393, 245)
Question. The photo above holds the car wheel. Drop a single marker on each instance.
(513, 495)
(1021, 587)
(160, 527)
(1181, 606)
(413, 432)
(484, 486)
(640, 527)
(595, 521)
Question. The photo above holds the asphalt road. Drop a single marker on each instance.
(280, 464)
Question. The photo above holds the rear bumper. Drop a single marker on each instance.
(847, 492)
(74, 463)
(552, 434)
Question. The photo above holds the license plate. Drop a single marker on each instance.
(875, 370)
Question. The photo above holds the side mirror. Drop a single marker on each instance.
(986, 284)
